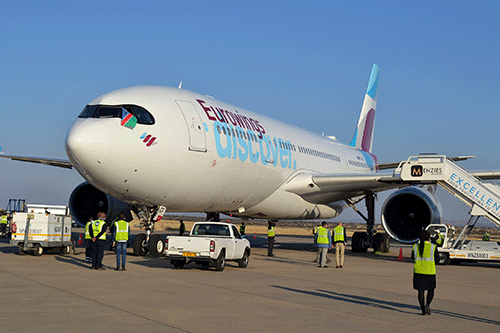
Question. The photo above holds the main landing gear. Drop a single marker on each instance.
(361, 241)
(148, 243)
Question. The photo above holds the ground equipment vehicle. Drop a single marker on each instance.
(41, 232)
(456, 250)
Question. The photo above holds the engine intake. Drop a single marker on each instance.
(406, 212)
(86, 201)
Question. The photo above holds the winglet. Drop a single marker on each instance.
(363, 136)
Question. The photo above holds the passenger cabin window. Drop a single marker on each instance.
(115, 111)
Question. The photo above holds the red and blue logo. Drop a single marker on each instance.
(148, 139)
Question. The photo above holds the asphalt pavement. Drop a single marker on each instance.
(285, 293)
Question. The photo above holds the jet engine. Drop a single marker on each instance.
(86, 201)
(407, 211)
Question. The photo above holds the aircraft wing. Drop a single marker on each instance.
(326, 188)
(57, 162)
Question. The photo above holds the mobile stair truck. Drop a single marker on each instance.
(484, 198)
(459, 249)
(39, 232)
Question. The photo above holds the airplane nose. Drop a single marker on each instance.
(87, 142)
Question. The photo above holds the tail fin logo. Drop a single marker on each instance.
(363, 136)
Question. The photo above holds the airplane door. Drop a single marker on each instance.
(197, 141)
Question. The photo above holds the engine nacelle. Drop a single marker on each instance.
(407, 211)
(86, 201)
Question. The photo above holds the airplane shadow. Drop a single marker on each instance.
(387, 305)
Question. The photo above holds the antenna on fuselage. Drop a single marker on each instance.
(180, 85)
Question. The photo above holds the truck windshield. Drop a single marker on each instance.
(211, 230)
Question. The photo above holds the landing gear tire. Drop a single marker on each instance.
(156, 245)
(37, 250)
(220, 263)
(243, 262)
(139, 245)
(358, 242)
(444, 258)
(20, 249)
(381, 243)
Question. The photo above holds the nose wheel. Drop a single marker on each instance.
(147, 243)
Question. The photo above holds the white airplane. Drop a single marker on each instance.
(152, 149)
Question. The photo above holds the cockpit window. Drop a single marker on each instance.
(115, 111)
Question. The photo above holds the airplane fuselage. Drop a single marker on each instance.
(202, 155)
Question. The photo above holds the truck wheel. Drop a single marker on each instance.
(66, 249)
(156, 245)
(20, 249)
(220, 263)
(444, 258)
(37, 250)
(139, 245)
(243, 262)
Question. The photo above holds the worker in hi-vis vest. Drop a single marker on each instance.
(122, 235)
(98, 235)
(440, 238)
(270, 238)
(3, 223)
(323, 240)
(89, 245)
(425, 255)
(339, 242)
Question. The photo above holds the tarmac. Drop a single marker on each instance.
(285, 293)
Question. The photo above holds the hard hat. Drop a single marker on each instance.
(438, 231)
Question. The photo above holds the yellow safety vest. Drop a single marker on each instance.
(4, 219)
(270, 232)
(97, 227)
(121, 228)
(338, 234)
(87, 232)
(440, 240)
(424, 264)
(322, 236)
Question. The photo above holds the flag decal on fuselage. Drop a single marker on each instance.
(128, 119)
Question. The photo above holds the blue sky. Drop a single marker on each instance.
(302, 62)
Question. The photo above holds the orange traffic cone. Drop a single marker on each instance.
(400, 257)
(80, 240)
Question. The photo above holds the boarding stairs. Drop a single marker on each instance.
(484, 198)
(16, 205)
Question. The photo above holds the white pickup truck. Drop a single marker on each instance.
(209, 244)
